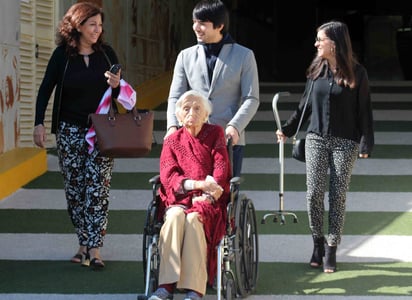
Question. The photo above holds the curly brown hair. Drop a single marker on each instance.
(67, 34)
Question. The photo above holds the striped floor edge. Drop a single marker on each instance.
(374, 259)
(180, 297)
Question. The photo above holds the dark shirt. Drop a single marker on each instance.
(212, 51)
(54, 78)
(83, 88)
(337, 111)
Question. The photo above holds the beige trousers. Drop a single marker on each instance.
(183, 255)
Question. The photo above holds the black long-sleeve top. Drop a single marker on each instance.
(337, 110)
(79, 88)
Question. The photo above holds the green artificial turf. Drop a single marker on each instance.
(389, 105)
(255, 182)
(272, 150)
(132, 222)
(379, 151)
(362, 279)
(368, 279)
(256, 125)
(381, 126)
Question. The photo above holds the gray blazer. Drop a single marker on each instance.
(234, 90)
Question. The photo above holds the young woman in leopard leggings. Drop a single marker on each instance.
(340, 129)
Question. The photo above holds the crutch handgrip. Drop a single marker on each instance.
(275, 107)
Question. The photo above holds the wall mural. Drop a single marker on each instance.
(9, 99)
(9, 76)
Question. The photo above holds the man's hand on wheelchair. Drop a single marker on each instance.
(170, 130)
(232, 133)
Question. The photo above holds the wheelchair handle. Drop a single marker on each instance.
(229, 146)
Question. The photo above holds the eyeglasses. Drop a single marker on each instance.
(318, 39)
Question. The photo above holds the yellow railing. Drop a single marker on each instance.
(153, 92)
(20, 166)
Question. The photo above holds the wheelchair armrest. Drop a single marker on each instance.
(234, 186)
(155, 179)
(236, 180)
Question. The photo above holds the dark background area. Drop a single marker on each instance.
(282, 33)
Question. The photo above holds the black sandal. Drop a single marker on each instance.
(97, 264)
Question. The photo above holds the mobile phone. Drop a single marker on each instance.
(115, 68)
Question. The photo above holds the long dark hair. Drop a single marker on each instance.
(67, 34)
(345, 58)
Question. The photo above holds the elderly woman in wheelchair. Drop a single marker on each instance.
(195, 173)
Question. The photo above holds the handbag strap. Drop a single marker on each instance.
(303, 111)
(114, 110)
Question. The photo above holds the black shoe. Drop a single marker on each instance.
(330, 259)
(318, 252)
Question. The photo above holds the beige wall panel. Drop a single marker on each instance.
(38, 27)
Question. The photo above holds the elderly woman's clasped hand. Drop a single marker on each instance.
(211, 191)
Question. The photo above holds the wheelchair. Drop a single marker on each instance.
(237, 252)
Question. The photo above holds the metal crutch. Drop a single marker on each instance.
(280, 213)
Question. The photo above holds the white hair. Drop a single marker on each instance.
(207, 104)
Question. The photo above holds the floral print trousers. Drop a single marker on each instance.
(336, 155)
(87, 179)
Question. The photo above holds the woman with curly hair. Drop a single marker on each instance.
(77, 71)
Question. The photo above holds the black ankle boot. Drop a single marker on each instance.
(318, 252)
(330, 259)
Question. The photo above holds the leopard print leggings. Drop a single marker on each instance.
(87, 180)
(337, 155)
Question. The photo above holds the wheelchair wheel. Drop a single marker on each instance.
(230, 289)
(150, 250)
(151, 282)
(246, 245)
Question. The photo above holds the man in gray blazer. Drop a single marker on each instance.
(223, 71)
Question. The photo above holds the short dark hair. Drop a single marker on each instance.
(212, 11)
